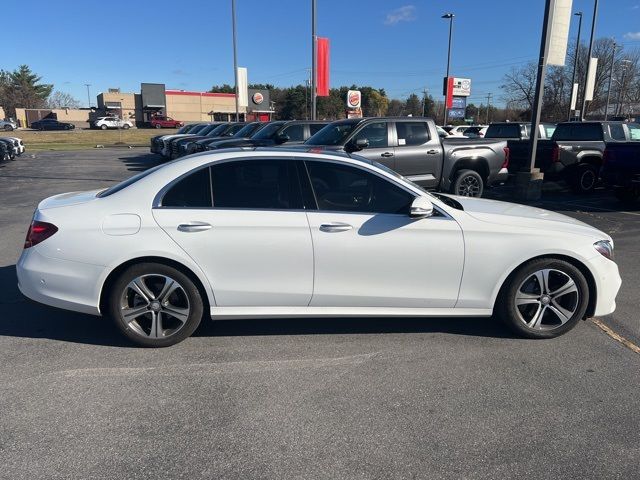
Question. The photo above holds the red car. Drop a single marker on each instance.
(165, 122)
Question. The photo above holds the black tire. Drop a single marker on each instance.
(468, 183)
(103, 127)
(67, 127)
(158, 125)
(125, 126)
(134, 330)
(584, 178)
(8, 128)
(515, 317)
(627, 194)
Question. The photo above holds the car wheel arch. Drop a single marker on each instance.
(588, 275)
(206, 294)
(477, 164)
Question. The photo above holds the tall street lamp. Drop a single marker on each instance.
(235, 56)
(450, 17)
(583, 113)
(575, 62)
(88, 94)
(613, 62)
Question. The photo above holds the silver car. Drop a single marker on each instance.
(8, 125)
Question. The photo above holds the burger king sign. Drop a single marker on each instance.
(257, 98)
(354, 98)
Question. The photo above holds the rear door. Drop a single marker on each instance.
(243, 223)
(380, 148)
(417, 156)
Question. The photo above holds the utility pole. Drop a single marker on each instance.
(575, 62)
(613, 62)
(307, 85)
(424, 102)
(88, 94)
(619, 107)
(235, 57)
(583, 113)
(489, 95)
(314, 60)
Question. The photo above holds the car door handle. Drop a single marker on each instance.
(432, 152)
(386, 154)
(335, 227)
(194, 227)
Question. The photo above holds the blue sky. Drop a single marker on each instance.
(399, 45)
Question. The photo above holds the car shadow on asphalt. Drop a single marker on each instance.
(20, 317)
(141, 162)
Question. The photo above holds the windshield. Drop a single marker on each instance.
(333, 134)
(268, 131)
(129, 181)
(197, 129)
(248, 130)
(186, 128)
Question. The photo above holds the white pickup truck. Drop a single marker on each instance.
(104, 123)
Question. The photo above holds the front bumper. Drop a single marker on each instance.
(59, 283)
(608, 282)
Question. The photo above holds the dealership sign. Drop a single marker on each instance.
(354, 98)
(461, 87)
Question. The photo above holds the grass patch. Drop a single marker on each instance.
(81, 139)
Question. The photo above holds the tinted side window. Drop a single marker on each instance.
(316, 127)
(294, 132)
(376, 133)
(412, 133)
(503, 131)
(193, 191)
(616, 130)
(256, 184)
(344, 188)
(577, 131)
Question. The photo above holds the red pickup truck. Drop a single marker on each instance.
(165, 122)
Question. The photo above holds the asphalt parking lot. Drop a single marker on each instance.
(331, 398)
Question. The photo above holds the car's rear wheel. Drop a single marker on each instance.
(158, 125)
(8, 128)
(103, 127)
(468, 183)
(125, 126)
(544, 298)
(584, 178)
(155, 305)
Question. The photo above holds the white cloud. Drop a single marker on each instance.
(632, 36)
(402, 14)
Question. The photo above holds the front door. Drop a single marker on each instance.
(380, 148)
(370, 253)
(418, 156)
(243, 223)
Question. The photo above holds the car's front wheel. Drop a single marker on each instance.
(155, 305)
(103, 127)
(544, 298)
(8, 128)
(125, 126)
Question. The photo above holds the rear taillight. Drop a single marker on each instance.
(507, 157)
(555, 154)
(38, 232)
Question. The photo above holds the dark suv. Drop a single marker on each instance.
(290, 132)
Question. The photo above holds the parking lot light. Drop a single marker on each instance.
(450, 17)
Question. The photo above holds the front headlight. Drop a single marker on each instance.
(604, 248)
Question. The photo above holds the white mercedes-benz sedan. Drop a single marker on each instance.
(294, 233)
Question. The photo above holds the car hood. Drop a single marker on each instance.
(167, 138)
(517, 215)
(66, 199)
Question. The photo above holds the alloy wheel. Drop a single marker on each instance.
(155, 306)
(547, 299)
(468, 187)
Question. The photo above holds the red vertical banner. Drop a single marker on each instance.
(322, 88)
(450, 92)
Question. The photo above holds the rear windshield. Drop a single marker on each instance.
(578, 131)
(129, 181)
(503, 131)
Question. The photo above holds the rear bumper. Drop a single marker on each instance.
(59, 283)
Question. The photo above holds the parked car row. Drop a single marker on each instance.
(411, 146)
(10, 148)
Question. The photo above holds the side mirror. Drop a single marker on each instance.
(282, 138)
(362, 143)
(421, 207)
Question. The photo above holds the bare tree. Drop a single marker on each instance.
(62, 100)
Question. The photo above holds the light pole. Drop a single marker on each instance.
(575, 62)
(583, 113)
(314, 60)
(450, 17)
(613, 62)
(88, 94)
(235, 56)
(619, 108)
